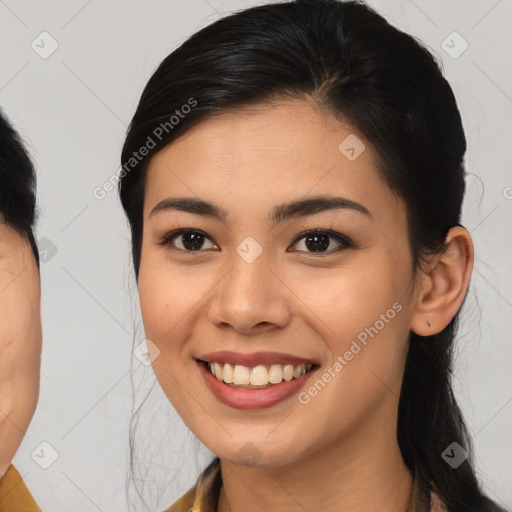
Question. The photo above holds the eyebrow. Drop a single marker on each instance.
(279, 213)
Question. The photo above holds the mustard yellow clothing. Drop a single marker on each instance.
(14, 495)
(204, 495)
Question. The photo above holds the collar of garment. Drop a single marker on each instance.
(204, 496)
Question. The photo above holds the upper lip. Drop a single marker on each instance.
(254, 359)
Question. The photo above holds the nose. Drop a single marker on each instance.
(251, 298)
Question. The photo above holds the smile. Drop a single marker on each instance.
(254, 381)
(257, 377)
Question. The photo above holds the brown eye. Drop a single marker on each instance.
(190, 240)
(319, 241)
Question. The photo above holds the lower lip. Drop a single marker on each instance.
(250, 399)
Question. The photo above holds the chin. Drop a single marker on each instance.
(249, 453)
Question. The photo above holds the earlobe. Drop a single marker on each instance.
(443, 288)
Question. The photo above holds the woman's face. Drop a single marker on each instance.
(251, 282)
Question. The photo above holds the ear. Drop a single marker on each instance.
(443, 285)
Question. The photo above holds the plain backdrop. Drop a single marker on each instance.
(73, 107)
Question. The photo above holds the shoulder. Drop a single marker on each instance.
(185, 503)
(204, 495)
(14, 494)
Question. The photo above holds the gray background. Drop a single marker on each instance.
(74, 106)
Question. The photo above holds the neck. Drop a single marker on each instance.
(363, 473)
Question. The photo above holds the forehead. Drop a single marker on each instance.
(261, 156)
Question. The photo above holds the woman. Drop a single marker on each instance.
(293, 179)
(20, 313)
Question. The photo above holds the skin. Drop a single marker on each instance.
(344, 440)
(20, 340)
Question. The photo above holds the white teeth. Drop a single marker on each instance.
(275, 374)
(299, 371)
(239, 375)
(218, 371)
(259, 376)
(228, 373)
(288, 372)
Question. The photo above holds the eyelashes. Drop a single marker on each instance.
(318, 238)
(197, 236)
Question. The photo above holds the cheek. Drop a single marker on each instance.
(169, 301)
(161, 307)
(348, 300)
(363, 319)
(157, 292)
(362, 313)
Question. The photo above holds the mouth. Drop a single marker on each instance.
(259, 376)
(254, 381)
